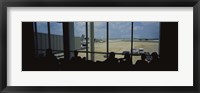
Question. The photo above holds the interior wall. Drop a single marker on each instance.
(169, 44)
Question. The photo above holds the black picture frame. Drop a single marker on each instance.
(101, 3)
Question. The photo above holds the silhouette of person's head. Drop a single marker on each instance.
(50, 58)
(75, 53)
(111, 59)
(154, 55)
(142, 62)
(112, 55)
(127, 56)
(143, 56)
(84, 58)
(49, 52)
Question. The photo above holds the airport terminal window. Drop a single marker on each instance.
(118, 37)
(146, 37)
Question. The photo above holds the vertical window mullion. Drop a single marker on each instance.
(107, 39)
(86, 40)
(131, 40)
(49, 35)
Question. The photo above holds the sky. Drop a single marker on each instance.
(120, 30)
(55, 28)
(149, 30)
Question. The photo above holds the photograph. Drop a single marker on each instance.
(100, 46)
(82, 46)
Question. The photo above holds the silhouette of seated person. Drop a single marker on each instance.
(76, 58)
(50, 59)
(155, 60)
(111, 59)
(126, 60)
(142, 62)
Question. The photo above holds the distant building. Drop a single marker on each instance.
(56, 42)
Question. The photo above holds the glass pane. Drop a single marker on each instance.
(119, 56)
(82, 54)
(42, 27)
(89, 56)
(56, 28)
(79, 40)
(100, 57)
(56, 31)
(146, 37)
(97, 57)
(119, 37)
(100, 37)
(42, 37)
